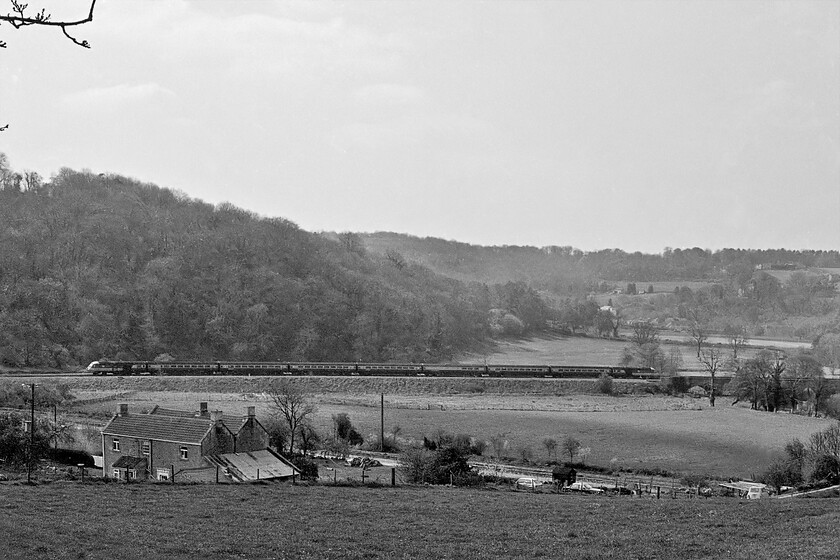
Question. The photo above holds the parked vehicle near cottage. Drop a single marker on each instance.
(585, 487)
(528, 483)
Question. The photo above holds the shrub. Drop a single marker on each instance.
(782, 473)
(307, 467)
(604, 384)
(71, 457)
(826, 467)
(416, 465)
(344, 429)
(478, 446)
(446, 464)
(692, 480)
(832, 406)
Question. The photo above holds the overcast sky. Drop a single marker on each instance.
(636, 125)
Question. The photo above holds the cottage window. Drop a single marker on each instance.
(185, 453)
(146, 447)
(163, 474)
(132, 475)
(116, 445)
(116, 473)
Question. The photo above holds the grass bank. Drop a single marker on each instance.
(69, 520)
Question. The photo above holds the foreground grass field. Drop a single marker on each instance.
(70, 520)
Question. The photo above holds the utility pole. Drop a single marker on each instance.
(31, 437)
(382, 422)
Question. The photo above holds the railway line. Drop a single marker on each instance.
(363, 369)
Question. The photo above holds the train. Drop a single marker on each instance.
(107, 367)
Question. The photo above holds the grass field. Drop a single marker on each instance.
(578, 351)
(722, 441)
(279, 521)
(629, 431)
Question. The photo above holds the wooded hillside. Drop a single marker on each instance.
(96, 266)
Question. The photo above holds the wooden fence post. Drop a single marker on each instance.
(393, 476)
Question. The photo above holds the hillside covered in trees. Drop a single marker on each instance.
(95, 266)
(102, 266)
(782, 293)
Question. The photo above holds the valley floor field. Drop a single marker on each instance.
(281, 521)
(592, 351)
(628, 431)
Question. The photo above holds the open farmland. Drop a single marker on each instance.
(629, 431)
(587, 351)
(281, 521)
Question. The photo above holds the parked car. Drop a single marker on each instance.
(528, 482)
(584, 487)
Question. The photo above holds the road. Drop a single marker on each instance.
(750, 342)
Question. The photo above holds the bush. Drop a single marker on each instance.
(826, 467)
(478, 446)
(446, 464)
(692, 480)
(832, 406)
(604, 384)
(344, 429)
(307, 467)
(782, 473)
(416, 464)
(71, 457)
(674, 385)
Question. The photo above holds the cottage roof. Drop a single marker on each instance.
(172, 412)
(247, 466)
(133, 463)
(159, 427)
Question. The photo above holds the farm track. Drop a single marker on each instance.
(515, 471)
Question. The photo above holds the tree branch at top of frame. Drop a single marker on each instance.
(18, 18)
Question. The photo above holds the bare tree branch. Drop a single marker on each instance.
(19, 18)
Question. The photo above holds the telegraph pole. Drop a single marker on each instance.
(382, 421)
(31, 436)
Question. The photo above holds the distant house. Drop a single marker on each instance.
(186, 445)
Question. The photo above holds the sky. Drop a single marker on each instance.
(633, 125)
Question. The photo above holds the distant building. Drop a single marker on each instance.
(187, 445)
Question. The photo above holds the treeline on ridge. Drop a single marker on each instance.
(723, 290)
(101, 266)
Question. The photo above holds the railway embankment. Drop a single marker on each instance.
(346, 385)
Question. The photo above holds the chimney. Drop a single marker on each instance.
(252, 412)
(202, 409)
(217, 416)
(123, 409)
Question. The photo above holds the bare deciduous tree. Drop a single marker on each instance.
(697, 328)
(736, 338)
(645, 332)
(712, 361)
(550, 445)
(571, 446)
(292, 406)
